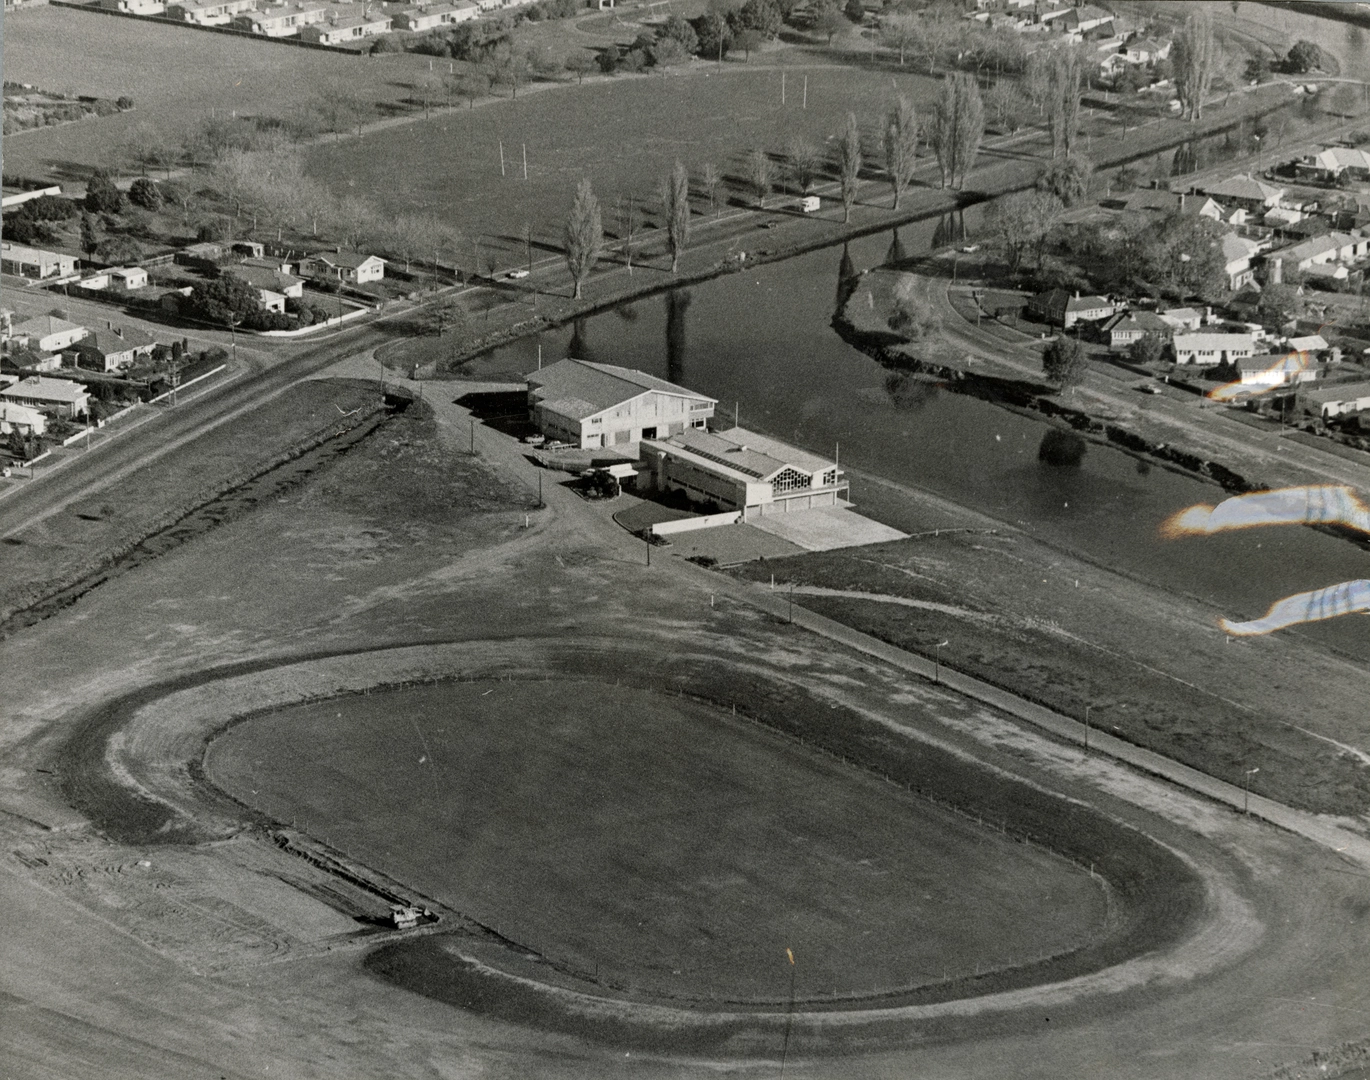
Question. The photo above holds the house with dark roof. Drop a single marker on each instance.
(744, 471)
(1060, 308)
(264, 278)
(1129, 326)
(597, 405)
(110, 349)
(1246, 192)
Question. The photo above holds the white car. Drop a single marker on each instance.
(516, 275)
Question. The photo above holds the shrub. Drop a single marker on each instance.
(387, 43)
(212, 229)
(102, 197)
(145, 193)
(124, 103)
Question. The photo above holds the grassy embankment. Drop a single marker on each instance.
(1070, 649)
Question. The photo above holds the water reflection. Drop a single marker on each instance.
(847, 277)
(896, 253)
(1062, 449)
(576, 348)
(677, 303)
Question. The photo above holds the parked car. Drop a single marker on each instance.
(516, 275)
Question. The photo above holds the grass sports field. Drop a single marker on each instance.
(624, 134)
(656, 844)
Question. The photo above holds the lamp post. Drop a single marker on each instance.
(937, 661)
(1246, 789)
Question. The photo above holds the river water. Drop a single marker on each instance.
(763, 340)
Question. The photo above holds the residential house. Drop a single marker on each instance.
(250, 249)
(46, 333)
(280, 20)
(24, 419)
(1237, 254)
(1269, 370)
(1253, 195)
(1183, 318)
(1338, 247)
(348, 266)
(267, 280)
(1146, 50)
(598, 405)
(1333, 164)
(57, 396)
(430, 17)
(1332, 401)
(1047, 15)
(1081, 20)
(1282, 217)
(1211, 349)
(1060, 308)
(135, 7)
(1130, 326)
(127, 278)
(1309, 343)
(34, 262)
(207, 12)
(743, 471)
(336, 31)
(96, 282)
(204, 256)
(110, 349)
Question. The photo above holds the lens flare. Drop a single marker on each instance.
(1313, 504)
(1330, 603)
(1283, 371)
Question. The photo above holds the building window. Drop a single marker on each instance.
(649, 433)
(791, 480)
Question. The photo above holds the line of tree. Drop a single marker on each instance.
(958, 126)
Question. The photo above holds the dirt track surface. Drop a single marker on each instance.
(174, 972)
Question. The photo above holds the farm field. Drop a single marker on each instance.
(176, 76)
(655, 841)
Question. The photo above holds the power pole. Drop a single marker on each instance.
(501, 157)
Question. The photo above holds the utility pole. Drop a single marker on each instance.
(789, 1018)
(525, 161)
(937, 661)
(806, 92)
(501, 157)
(1087, 729)
(782, 88)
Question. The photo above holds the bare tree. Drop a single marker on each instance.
(474, 85)
(901, 145)
(584, 235)
(627, 225)
(1063, 113)
(352, 221)
(849, 164)
(803, 161)
(1196, 60)
(675, 204)
(958, 126)
(709, 179)
(900, 33)
(1005, 102)
(760, 174)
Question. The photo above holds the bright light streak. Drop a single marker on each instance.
(1316, 504)
(1282, 372)
(1336, 600)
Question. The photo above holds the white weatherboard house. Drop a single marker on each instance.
(346, 266)
(57, 396)
(597, 405)
(1212, 348)
(47, 333)
(741, 470)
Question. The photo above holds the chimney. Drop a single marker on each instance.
(1277, 272)
(1182, 200)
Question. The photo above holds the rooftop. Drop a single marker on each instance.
(1244, 187)
(1340, 392)
(35, 386)
(43, 325)
(744, 454)
(579, 388)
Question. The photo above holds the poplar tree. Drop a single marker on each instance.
(849, 163)
(676, 204)
(901, 145)
(584, 235)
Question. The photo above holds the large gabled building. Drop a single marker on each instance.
(597, 405)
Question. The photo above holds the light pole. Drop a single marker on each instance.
(1087, 708)
(1246, 789)
(937, 661)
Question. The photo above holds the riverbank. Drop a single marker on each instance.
(1105, 410)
